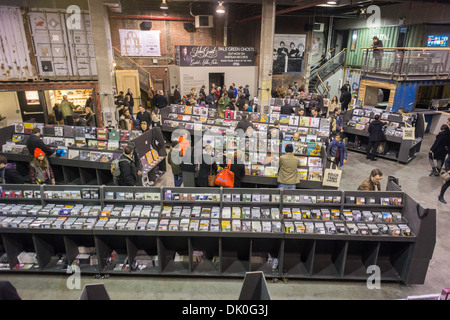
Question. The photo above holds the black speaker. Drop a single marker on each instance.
(146, 25)
(189, 27)
(309, 27)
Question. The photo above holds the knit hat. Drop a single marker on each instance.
(38, 152)
(289, 148)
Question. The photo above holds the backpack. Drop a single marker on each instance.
(115, 169)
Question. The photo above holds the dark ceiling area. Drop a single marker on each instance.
(241, 9)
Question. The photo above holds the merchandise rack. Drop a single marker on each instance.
(85, 172)
(231, 254)
(398, 149)
(253, 180)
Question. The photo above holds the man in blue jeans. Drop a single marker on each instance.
(288, 176)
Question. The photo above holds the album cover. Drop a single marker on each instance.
(315, 174)
(303, 173)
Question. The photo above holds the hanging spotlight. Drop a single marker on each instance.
(220, 8)
(164, 5)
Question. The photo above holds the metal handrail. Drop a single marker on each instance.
(131, 60)
(332, 59)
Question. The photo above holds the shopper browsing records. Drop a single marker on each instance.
(447, 183)
(8, 172)
(211, 100)
(439, 150)
(207, 166)
(373, 183)
(286, 109)
(288, 176)
(143, 115)
(238, 168)
(176, 94)
(90, 117)
(66, 107)
(339, 120)
(35, 141)
(174, 160)
(78, 121)
(376, 135)
(338, 151)
(126, 121)
(244, 123)
(315, 113)
(128, 171)
(40, 170)
(143, 126)
(274, 131)
(221, 105)
(58, 114)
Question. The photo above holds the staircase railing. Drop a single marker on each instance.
(125, 62)
(328, 67)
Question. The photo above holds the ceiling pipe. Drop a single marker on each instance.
(138, 17)
(305, 6)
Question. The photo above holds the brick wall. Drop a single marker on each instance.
(172, 33)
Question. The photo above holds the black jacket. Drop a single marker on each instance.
(211, 99)
(161, 101)
(34, 142)
(244, 124)
(144, 117)
(287, 109)
(10, 176)
(346, 98)
(205, 170)
(241, 103)
(376, 131)
(239, 172)
(439, 146)
(57, 113)
(80, 123)
(90, 120)
(187, 161)
(128, 172)
(177, 95)
(231, 94)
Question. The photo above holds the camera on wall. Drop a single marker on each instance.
(270, 73)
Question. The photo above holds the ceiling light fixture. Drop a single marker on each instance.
(164, 5)
(220, 8)
(331, 2)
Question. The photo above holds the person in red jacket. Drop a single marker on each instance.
(40, 170)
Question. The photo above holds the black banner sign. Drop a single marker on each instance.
(214, 56)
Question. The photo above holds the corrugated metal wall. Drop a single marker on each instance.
(15, 61)
(405, 94)
(62, 50)
(388, 35)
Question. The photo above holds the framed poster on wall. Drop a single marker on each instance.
(288, 53)
(140, 43)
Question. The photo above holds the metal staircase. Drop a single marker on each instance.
(319, 75)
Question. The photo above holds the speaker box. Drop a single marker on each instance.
(309, 27)
(189, 27)
(146, 25)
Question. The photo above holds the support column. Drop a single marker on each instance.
(104, 57)
(266, 52)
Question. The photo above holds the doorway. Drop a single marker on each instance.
(217, 78)
(32, 106)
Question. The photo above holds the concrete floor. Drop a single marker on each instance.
(414, 180)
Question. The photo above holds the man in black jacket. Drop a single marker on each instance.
(244, 123)
(177, 94)
(345, 99)
(143, 115)
(376, 135)
(79, 121)
(128, 172)
(35, 141)
(161, 100)
(211, 99)
(287, 109)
